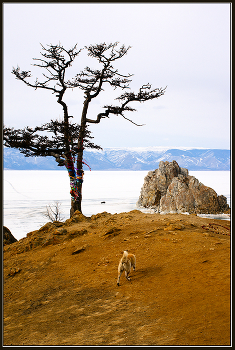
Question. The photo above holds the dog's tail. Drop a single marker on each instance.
(125, 254)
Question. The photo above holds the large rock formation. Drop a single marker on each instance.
(170, 189)
(8, 237)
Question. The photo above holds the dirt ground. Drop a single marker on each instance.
(65, 292)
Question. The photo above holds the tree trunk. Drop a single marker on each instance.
(76, 200)
(77, 203)
(69, 163)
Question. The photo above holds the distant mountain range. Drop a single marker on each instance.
(137, 158)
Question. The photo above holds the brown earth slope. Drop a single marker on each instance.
(60, 282)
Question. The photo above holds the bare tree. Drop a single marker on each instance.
(53, 212)
(70, 139)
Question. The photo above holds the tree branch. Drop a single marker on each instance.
(30, 143)
(141, 96)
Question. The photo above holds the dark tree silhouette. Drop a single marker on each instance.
(69, 139)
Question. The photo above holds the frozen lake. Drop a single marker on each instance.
(28, 192)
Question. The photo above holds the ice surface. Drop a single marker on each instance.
(28, 192)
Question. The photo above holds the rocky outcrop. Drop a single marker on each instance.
(171, 189)
(53, 233)
(8, 237)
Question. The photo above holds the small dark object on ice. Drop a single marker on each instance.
(102, 202)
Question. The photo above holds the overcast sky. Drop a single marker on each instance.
(185, 47)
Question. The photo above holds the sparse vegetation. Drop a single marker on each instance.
(53, 212)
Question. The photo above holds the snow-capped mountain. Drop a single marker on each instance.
(137, 158)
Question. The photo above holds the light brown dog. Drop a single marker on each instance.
(126, 263)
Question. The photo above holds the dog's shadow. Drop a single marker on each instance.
(150, 271)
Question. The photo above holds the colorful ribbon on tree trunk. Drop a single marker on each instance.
(76, 177)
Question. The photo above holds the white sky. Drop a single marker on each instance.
(183, 46)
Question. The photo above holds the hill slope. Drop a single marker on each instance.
(128, 159)
(60, 282)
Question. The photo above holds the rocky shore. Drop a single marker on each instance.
(60, 282)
